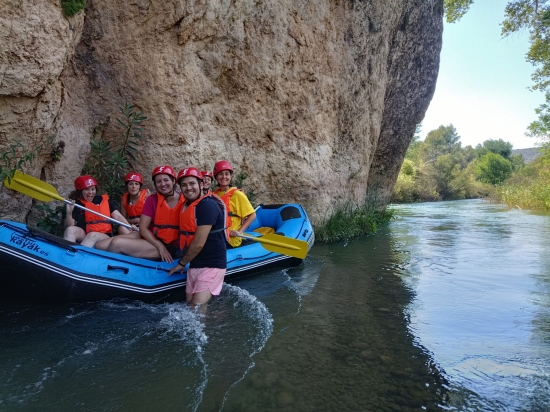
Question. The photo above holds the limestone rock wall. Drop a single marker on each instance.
(315, 101)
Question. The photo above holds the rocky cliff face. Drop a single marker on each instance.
(315, 101)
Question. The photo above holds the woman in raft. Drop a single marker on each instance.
(134, 198)
(208, 178)
(85, 227)
(158, 236)
(241, 211)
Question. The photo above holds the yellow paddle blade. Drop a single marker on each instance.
(282, 244)
(31, 186)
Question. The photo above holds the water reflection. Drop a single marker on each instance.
(478, 301)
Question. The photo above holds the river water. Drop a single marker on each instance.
(446, 308)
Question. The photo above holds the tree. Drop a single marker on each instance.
(415, 146)
(441, 141)
(446, 168)
(495, 146)
(455, 9)
(541, 128)
(493, 168)
(517, 162)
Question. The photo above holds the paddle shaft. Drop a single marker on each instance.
(57, 197)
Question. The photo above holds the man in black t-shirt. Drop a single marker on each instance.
(203, 239)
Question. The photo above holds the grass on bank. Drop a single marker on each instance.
(533, 195)
(529, 188)
(351, 220)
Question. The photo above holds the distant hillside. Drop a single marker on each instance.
(528, 154)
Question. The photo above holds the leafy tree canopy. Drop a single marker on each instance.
(517, 161)
(495, 146)
(413, 151)
(493, 168)
(541, 128)
(446, 168)
(441, 141)
(455, 9)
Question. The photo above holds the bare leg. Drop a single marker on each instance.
(131, 246)
(92, 238)
(74, 234)
(200, 298)
(104, 244)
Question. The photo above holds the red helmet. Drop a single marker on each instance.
(222, 165)
(207, 173)
(190, 171)
(133, 176)
(82, 182)
(167, 170)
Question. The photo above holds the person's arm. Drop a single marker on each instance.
(69, 220)
(201, 234)
(245, 209)
(118, 216)
(123, 210)
(146, 234)
(247, 221)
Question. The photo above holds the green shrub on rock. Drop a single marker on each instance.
(72, 7)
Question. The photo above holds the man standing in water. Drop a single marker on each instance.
(203, 237)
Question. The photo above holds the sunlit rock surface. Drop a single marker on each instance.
(315, 102)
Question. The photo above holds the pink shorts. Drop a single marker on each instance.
(201, 279)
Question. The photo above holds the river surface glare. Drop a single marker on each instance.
(446, 308)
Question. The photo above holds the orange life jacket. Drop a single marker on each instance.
(226, 198)
(188, 221)
(95, 223)
(133, 211)
(165, 224)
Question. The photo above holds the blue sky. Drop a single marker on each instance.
(484, 80)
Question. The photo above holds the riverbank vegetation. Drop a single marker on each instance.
(439, 168)
(351, 220)
(529, 188)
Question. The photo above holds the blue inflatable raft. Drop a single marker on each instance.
(39, 266)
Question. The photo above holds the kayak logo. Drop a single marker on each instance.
(25, 243)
